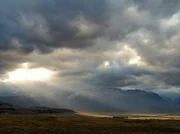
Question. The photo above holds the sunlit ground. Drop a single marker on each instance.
(130, 116)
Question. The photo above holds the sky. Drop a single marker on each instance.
(50, 47)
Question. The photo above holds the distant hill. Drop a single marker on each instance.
(5, 104)
(6, 108)
(24, 101)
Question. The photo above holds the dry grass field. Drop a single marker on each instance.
(74, 124)
(130, 116)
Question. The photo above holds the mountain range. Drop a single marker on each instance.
(109, 100)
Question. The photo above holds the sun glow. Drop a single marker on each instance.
(135, 60)
(25, 74)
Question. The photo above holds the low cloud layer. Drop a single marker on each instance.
(130, 44)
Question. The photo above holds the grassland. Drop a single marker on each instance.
(74, 124)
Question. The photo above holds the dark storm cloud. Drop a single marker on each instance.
(163, 8)
(49, 24)
(170, 77)
(120, 77)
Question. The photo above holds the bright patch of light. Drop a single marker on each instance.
(25, 74)
(145, 40)
(106, 64)
(29, 74)
(126, 47)
(25, 65)
(135, 60)
(172, 21)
